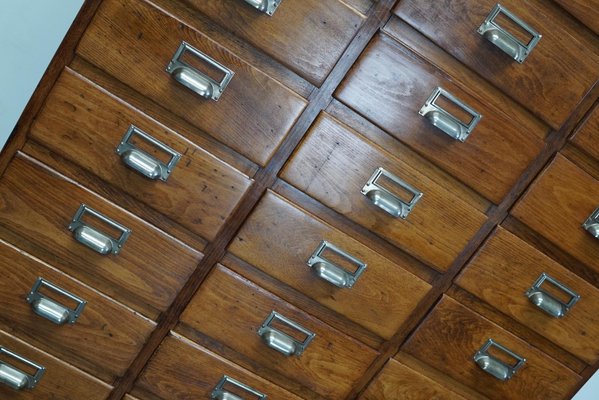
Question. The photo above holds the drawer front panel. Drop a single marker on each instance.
(308, 36)
(333, 165)
(390, 84)
(181, 369)
(134, 42)
(279, 238)
(105, 337)
(397, 381)
(39, 204)
(557, 205)
(200, 192)
(452, 334)
(230, 309)
(506, 268)
(586, 11)
(60, 380)
(588, 135)
(558, 72)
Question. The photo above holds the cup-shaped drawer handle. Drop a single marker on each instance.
(266, 6)
(281, 341)
(331, 272)
(142, 162)
(93, 237)
(507, 42)
(195, 80)
(388, 201)
(493, 365)
(548, 302)
(220, 391)
(592, 224)
(51, 309)
(444, 120)
(16, 379)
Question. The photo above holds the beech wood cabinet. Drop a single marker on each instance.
(303, 199)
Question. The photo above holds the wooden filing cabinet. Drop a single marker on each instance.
(335, 199)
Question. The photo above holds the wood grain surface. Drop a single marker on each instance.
(588, 134)
(586, 11)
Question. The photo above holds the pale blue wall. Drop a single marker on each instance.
(30, 32)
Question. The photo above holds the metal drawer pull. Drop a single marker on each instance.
(142, 162)
(14, 377)
(92, 237)
(49, 308)
(495, 366)
(592, 224)
(446, 122)
(266, 6)
(280, 341)
(195, 80)
(331, 272)
(220, 393)
(507, 42)
(388, 201)
(548, 302)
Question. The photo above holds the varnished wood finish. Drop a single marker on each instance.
(451, 335)
(558, 204)
(559, 71)
(587, 11)
(60, 381)
(105, 337)
(39, 204)
(134, 42)
(308, 45)
(587, 136)
(397, 381)
(229, 309)
(334, 163)
(200, 193)
(506, 267)
(279, 237)
(181, 370)
(390, 84)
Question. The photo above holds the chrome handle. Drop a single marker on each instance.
(494, 366)
(220, 392)
(548, 302)
(280, 341)
(14, 377)
(266, 6)
(446, 122)
(507, 42)
(142, 162)
(388, 201)
(49, 308)
(94, 238)
(331, 272)
(592, 224)
(195, 80)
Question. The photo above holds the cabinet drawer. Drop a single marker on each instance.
(586, 11)
(200, 192)
(104, 338)
(565, 54)
(307, 36)
(389, 85)
(588, 135)
(334, 164)
(557, 205)
(38, 205)
(181, 370)
(231, 310)
(59, 381)
(134, 42)
(507, 267)
(279, 238)
(451, 335)
(397, 381)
